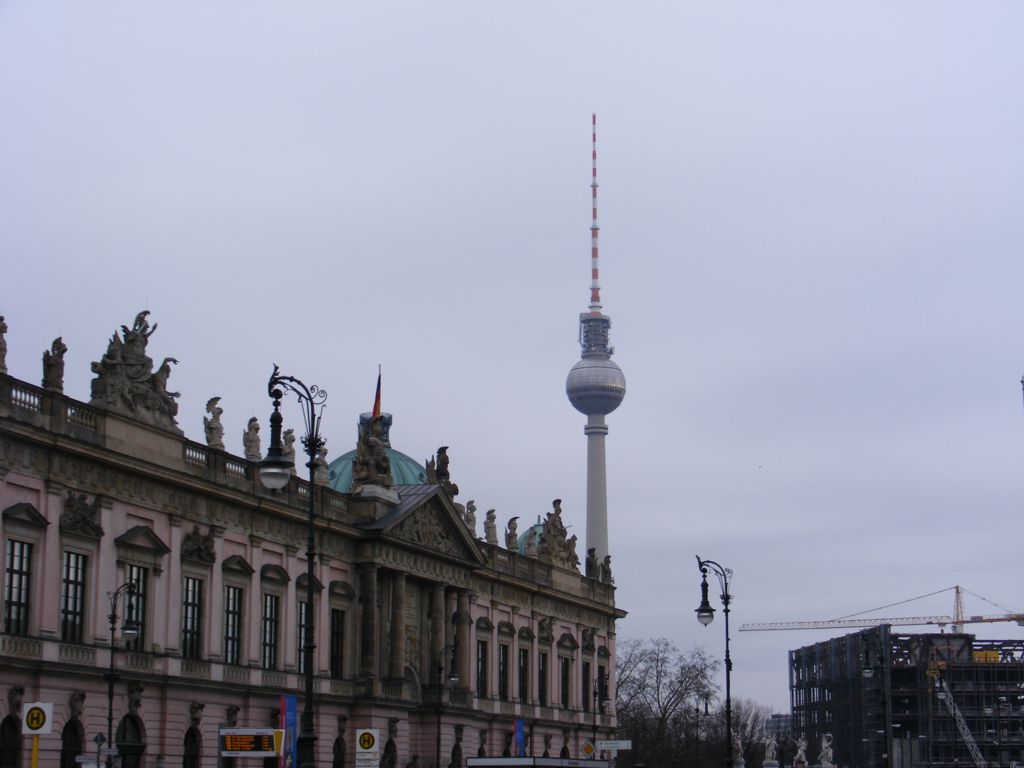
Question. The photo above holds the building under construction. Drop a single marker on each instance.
(893, 700)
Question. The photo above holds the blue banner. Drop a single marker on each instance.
(520, 738)
(288, 723)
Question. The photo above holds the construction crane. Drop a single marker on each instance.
(956, 621)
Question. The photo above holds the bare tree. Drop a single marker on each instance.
(659, 690)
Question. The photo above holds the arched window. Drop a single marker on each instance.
(72, 739)
(131, 741)
(192, 754)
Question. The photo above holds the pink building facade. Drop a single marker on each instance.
(95, 497)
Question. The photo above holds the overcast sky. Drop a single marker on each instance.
(811, 251)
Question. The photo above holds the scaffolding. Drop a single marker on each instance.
(875, 692)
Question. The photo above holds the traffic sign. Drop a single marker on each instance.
(607, 744)
(587, 750)
(36, 718)
(367, 748)
(109, 751)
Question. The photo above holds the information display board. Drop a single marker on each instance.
(250, 742)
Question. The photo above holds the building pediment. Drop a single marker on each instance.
(426, 518)
(237, 564)
(26, 514)
(143, 538)
(141, 546)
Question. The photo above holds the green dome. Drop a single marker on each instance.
(404, 469)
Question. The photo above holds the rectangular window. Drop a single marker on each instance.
(585, 692)
(18, 581)
(192, 618)
(72, 598)
(271, 612)
(524, 675)
(481, 668)
(542, 679)
(337, 643)
(503, 672)
(302, 633)
(602, 688)
(564, 674)
(135, 605)
(232, 624)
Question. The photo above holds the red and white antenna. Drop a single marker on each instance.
(595, 284)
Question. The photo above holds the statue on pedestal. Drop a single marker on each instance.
(53, 366)
(125, 380)
(3, 345)
(512, 535)
(825, 755)
(251, 440)
(491, 527)
(212, 426)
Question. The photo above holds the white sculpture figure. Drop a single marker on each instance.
(801, 754)
(825, 756)
(470, 517)
(769, 748)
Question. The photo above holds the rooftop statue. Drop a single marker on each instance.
(125, 380)
(214, 429)
(470, 516)
(491, 527)
(3, 345)
(288, 450)
(511, 535)
(53, 366)
(444, 477)
(251, 440)
(320, 472)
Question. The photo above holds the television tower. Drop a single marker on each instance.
(595, 386)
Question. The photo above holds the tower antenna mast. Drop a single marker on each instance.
(595, 282)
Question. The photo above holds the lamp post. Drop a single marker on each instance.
(453, 677)
(705, 615)
(129, 631)
(275, 473)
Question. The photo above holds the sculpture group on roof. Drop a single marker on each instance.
(371, 465)
(125, 380)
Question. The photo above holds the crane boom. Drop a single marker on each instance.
(904, 621)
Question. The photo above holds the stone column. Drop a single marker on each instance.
(463, 639)
(397, 665)
(369, 628)
(438, 619)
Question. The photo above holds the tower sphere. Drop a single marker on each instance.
(595, 385)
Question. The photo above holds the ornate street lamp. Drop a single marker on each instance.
(129, 631)
(705, 615)
(453, 677)
(275, 473)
